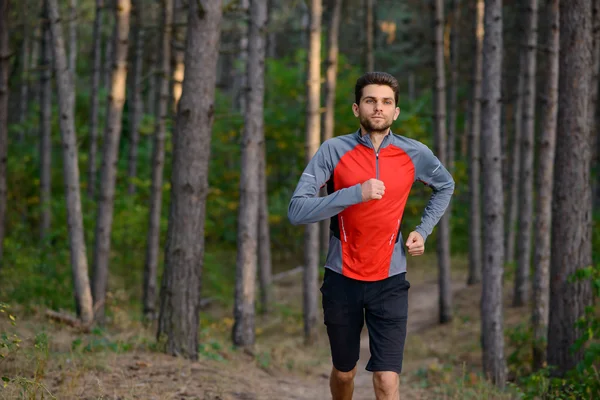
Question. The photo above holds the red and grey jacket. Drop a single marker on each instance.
(365, 241)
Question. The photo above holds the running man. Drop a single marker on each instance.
(369, 175)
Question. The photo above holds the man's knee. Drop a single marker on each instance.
(343, 377)
(386, 381)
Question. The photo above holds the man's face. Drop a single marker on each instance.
(377, 109)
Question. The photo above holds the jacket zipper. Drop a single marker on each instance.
(394, 234)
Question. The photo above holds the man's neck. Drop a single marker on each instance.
(376, 137)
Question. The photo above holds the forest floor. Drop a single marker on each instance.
(122, 362)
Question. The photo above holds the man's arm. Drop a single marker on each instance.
(306, 207)
(431, 172)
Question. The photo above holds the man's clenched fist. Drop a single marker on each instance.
(373, 189)
(415, 244)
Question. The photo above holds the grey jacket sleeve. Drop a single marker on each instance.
(431, 172)
(306, 207)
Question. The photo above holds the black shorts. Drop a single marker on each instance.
(347, 303)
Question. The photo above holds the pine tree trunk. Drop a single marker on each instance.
(96, 71)
(73, 40)
(313, 136)
(135, 113)
(108, 54)
(443, 239)
(370, 33)
(66, 104)
(521, 293)
(571, 212)
(454, 70)
(178, 54)
(545, 172)
(110, 153)
(24, 97)
(474, 171)
(158, 161)
(330, 88)
(184, 253)
(253, 139)
(45, 131)
(240, 72)
(4, 92)
(492, 334)
(515, 161)
(34, 59)
(264, 237)
(592, 114)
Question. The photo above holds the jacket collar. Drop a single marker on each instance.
(366, 139)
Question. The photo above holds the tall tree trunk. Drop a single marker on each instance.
(313, 136)
(66, 104)
(178, 53)
(135, 113)
(45, 130)
(545, 172)
(73, 40)
(243, 328)
(370, 33)
(521, 293)
(492, 334)
(108, 53)
(264, 237)
(34, 59)
(24, 98)
(454, 70)
(475, 245)
(571, 212)
(4, 92)
(443, 239)
(240, 72)
(592, 112)
(110, 153)
(158, 161)
(330, 87)
(184, 253)
(96, 70)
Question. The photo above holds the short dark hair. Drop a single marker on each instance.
(375, 78)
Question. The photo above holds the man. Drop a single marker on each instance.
(369, 175)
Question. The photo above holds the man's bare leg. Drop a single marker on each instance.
(342, 384)
(386, 385)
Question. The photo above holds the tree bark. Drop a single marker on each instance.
(370, 33)
(4, 92)
(454, 71)
(313, 136)
(45, 130)
(184, 253)
(158, 161)
(73, 40)
(592, 114)
(521, 293)
(240, 73)
(110, 153)
(492, 334)
(96, 71)
(265, 269)
(544, 187)
(253, 140)
(443, 239)
(24, 95)
(571, 213)
(66, 103)
(178, 54)
(135, 113)
(475, 245)
(330, 88)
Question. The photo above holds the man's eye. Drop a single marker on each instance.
(369, 101)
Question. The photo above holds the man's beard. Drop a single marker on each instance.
(381, 126)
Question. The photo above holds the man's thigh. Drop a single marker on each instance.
(386, 313)
(344, 318)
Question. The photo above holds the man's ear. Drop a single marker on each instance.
(396, 113)
(355, 109)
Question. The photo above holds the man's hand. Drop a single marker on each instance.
(372, 189)
(415, 244)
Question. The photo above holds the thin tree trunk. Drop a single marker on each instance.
(264, 237)
(443, 242)
(571, 212)
(521, 293)
(110, 152)
(45, 130)
(330, 88)
(4, 92)
(24, 98)
(370, 33)
(492, 334)
(454, 69)
(135, 114)
(108, 54)
(158, 161)
(96, 71)
(184, 253)
(313, 136)
(243, 328)
(544, 187)
(178, 54)
(73, 40)
(34, 59)
(66, 104)
(240, 72)
(474, 172)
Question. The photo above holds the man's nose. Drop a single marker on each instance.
(378, 105)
